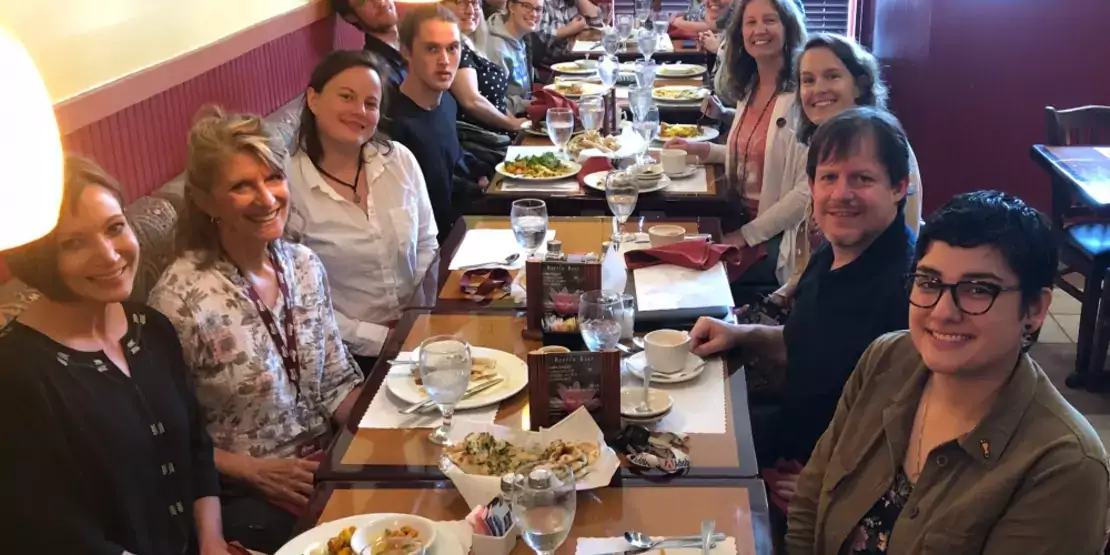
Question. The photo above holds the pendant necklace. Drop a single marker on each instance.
(357, 198)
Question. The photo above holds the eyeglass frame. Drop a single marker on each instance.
(996, 291)
(529, 6)
(475, 4)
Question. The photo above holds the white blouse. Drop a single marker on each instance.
(375, 259)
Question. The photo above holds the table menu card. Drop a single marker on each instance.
(560, 383)
(553, 290)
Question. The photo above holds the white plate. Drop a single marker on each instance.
(679, 71)
(631, 397)
(702, 93)
(509, 366)
(542, 131)
(573, 68)
(596, 181)
(694, 367)
(575, 167)
(447, 544)
(707, 134)
(365, 536)
(690, 170)
(587, 89)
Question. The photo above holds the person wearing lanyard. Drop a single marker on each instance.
(254, 315)
(764, 160)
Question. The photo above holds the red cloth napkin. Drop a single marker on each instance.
(783, 469)
(698, 255)
(682, 34)
(543, 99)
(591, 165)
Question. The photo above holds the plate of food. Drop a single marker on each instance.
(679, 71)
(538, 167)
(596, 181)
(575, 89)
(679, 93)
(688, 131)
(339, 537)
(592, 140)
(576, 67)
(541, 128)
(481, 453)
(487, 364)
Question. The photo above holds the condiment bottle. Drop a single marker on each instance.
(555, 250)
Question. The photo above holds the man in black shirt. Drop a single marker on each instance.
(852, 291)
(377, 19)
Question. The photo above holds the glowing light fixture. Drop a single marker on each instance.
(30, 150)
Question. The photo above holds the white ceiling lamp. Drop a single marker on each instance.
(30, 150)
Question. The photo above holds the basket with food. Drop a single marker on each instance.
(593, 140)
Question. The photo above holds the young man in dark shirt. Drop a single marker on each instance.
(377, 19)
(852, 291)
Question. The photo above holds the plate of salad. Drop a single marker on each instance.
(538, 167)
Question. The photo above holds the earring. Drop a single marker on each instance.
(1027, 338)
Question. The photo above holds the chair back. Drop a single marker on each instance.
(1086, 125)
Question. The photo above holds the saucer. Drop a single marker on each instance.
(694, 367)
(631, 397)
(645, 422)
(690, 170)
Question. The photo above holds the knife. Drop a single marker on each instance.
(472, 392)
(693, 544)
(469, 393)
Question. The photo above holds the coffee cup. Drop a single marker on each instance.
(667, 234)
(667, 350)
(551, 350)
(674, 161)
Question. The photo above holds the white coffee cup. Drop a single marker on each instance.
(667, 350)
(674, 161)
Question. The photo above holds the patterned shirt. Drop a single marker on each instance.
(696, 11)
(872, 534)
(250, 404)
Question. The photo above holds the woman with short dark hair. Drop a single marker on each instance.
(109, 450)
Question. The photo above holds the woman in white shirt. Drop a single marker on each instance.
(765, 163)
(361, 200)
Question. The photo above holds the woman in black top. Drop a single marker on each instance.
(480, 86)
(108, 453)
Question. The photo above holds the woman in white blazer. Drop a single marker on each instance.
(765, 163)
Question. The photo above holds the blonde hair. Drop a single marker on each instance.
(214, 139)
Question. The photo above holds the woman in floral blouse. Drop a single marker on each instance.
(254, 315)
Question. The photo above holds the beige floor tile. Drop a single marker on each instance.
(1070, 324)
(1063, 303)
(1051, 333)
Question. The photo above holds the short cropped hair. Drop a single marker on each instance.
(36, 263)
(839, 137)
(416, 17)
(1021, 233)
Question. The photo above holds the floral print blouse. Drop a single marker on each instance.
(872, 534)
(250, 405)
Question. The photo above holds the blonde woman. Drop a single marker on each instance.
(481, 86)
(254, 315)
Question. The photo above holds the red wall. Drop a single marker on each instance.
(970, 80)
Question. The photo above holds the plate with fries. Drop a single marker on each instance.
(686, 131)
(487, 365)
(679, 93)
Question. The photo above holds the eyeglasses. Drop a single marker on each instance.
(972, 297)
(530, 7)
(472, 4)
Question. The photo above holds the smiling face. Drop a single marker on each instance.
(468, 12)
(826, 86)
(97, 251)
(250, 201)
(954, 343)
(434, 57)
(347, 109)
(525, 14)
(764, 34)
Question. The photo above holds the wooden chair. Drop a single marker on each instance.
(1083, 233)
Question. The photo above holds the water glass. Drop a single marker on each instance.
(661, 23)
(560, 126)
(647, 128)
(645, 72)
(544, 506)
(528, 218)
(639, 101)
(647, 41)
(625, 24)
(599, 319)
(445, 372)
(611, 41)
(607, 69)
(592, 111)
(621, 192)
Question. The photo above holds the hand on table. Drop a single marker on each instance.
(289, 480)
(701, 150)
(711, 336)
(516, 123)
(578, 24)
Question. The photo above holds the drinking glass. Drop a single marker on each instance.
(607, 69)
(647, 41)
(621, 192)
(648, 128)
(661, 23)
(639, 101)
(560, 126)
(592, 110)
(599, 319)
(543, 507)
(611, 41)
(625, 22)
(645, 72)
(528, 219)
(445, 372)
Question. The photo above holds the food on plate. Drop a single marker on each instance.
(677, 93)
(569, 89)
(678, 130)
(391, 541)
(537, 166)
(485, 455)
(678, 69)
(593, 139)
(481, 368)
(341, 543)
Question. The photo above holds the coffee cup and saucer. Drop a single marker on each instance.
(659, 405)
(674, 164)
(667, 358)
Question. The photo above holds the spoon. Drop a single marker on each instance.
(639, 342)
(508, 260)
(640, 540)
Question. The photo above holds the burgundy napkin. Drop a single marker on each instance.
(543, 99)
(682, 34)
(591, 165)
(698, 255)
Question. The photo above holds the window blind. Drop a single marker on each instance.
(830, 16)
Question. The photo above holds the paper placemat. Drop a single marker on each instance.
(695, 183)
(598, 546)
(562, 187)
(699, 405)
(668, 287)
(663, 44)
(1105, 151)
(384, 412)
(491, 245)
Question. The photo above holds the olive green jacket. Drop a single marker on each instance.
(1031, 478)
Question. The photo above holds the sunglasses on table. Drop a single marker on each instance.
(972, 297)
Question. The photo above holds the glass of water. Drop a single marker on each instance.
(599, 319)
(544, 506)
(611, 41)
(621, 192)
(639, 100)
(648, 128)
(661, 23)
(625, 22)
(647, 41)
(645, 72)
(528, 219)
(560, 126)
(445, 372)
(591, 109)
(607, 69)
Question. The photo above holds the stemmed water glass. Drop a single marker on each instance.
(611, 41)
(625, 25)
(645, 72)
(607, 68)
(528, 218)
(647, 41)
(621, 192)
(445, 372)
(599, 319)
(639, 100)
(543, 507)
(661, 23)
(592, 110)
(648, 128)
(560, 126)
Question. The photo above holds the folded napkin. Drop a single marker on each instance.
(698, 255)
(682, 34)
(543, 100)
(592, 165)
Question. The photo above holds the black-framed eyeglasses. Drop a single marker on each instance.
(972, 297)
(530, 7)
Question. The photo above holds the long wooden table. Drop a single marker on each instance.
(685, 50)
(738, 507)
(372, 454)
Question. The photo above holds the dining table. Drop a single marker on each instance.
(738, 508)
(587, 42)
(1082, 171)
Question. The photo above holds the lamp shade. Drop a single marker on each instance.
(30, 150)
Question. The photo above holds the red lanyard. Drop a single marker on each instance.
(287, 342)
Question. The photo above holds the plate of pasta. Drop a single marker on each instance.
(690, 132)
(538, 167)
(679, 93)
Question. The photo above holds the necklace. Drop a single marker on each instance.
(357, 198)
(748, 145)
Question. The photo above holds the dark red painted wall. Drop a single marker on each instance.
(970, 80)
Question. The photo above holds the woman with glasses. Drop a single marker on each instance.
(506, 48)
(949, 438)
(481, 86)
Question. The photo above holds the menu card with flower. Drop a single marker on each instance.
(553, 288)
(560, 383)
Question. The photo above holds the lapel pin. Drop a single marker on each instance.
(986, 447)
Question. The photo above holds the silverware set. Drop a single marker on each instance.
(475, 388)
(643, 543)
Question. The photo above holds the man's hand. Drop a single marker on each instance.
(288, 480)
(711, 336)
(578, 24)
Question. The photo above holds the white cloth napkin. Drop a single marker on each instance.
(668, 287)
(596, 546)
(695, 183)
(699, 405)
(490, 245)
(384, 410)
(586, 46)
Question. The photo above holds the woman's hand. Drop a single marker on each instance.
(735, 239)
(709, 42)
(712, 107)
(515, 123)
(711, 336)
(288, 480)
(701, 150)
(578, 24)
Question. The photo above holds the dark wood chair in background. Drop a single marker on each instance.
(1083, 233)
